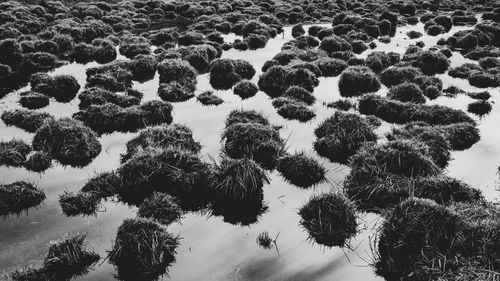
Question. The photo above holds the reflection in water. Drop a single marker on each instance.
(212, 249)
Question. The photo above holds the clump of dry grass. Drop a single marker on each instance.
(330, 219)
(160, 207)
(143, 250)
(81, 203)
(19, 196)
(301, 170)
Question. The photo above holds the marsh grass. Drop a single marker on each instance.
(301, 170)
(160, 207)
(330, 219)
(18, 197)
(81, 203)
(27, 120)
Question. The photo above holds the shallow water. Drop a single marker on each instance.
(210, 248)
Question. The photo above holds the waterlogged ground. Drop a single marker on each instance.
(210, 248)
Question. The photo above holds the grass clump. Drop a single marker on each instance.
(399, 74)
(38, 162)
(300, 170)
(245, 116)
(208, 98)
(99, 96)
(61, 87)
(18, 197)
(340, 136)
(161, 208)
(479, 108)
(342, 104)
(27, 120)
(163, 136)
(81, 203)
(259, 142)
(238, 194)
(400, 112)
(225, 73)
(102, 185)
(407, 92)
(33, 100)
(171, 170)
(13, 152)
(68, 141)
(66, 259)
(358, 80)
(300, 94)
(330, 219)
(174, 92)
(264, 240)
(416, 230)
(142, 250)
(245, 89)
(180, 71)
(292, 109)
(331, 67)
(109, 118)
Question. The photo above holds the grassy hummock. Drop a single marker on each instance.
(238, 194)
(245, 89)
(398, 112)
(109, 118)
(142, 250)
(177, 172)
(301, 170)
(68, 141)
(13, 152)
(245, 116)
(163, 136)
(99, 96)
(38, 162)
(340, 136)
(160, 207)
(358, 80)
(18, 197)
(260, 142)
(208, 98)
(27, 120)
(81, 203)
(102, 185)
(33, 100)
(479, 108)
(293, 109)
(330, 219)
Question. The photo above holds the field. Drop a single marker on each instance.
(249, 140)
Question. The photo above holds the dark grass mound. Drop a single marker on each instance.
(173, 171)
(18, 197)
(414, 34)
(460, 136)
(301, 77)
(38, 162)
(406, 92)
(27, 120)
(464, 71)
(245, 116)
(300, 94)
(142, 250)
(163, 136)
(81, 203)
(343, 104)
(245, 89)
(416, 230)
(379, 61)
(13, 152)
(262, 143)
(400, 113)
(180, 71)
(109, 118)
(238, 193)
(114, 77)
(397, 75)
(479, 108)
(358, 80)
(330, 219)
(161, 208)
(479, 95)
(208, 98)
(434, 138)
(446, 190)
(482, 79)
(174, 92)
(62, 87)
(428, 61)
(225, 73)
(272, 82)
(340, 136)
(99, 96)
(331, 67)
(102, 185)
(66, 259)
(300, 170)
(33, 100)
(68, 141)
(292, 109)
